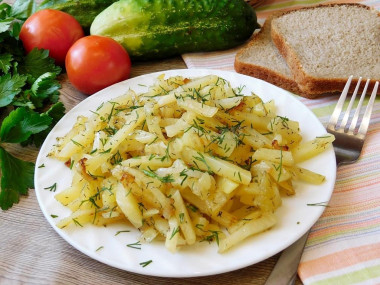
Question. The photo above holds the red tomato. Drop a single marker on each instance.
(95, 62)
(53, 30)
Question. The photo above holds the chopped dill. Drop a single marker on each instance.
(136, 245)
(165, 179)
(99, 248)
(174, 232)
(52, 188)
(145, 263)
(119, 232)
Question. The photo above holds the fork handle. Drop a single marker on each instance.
(285, 270)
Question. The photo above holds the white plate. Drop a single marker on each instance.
(294, 216)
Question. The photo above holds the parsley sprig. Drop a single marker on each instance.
(29, 93)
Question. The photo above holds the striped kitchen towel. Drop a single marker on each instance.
(344, 245)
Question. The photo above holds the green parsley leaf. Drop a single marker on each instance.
(28, 86)
(5, 25)
(45, 87)
(5, 62)
(10, 86)
(22, 9)
(21, 123)
(12, 45)
(5, 11)
(55, 112)
(36, 63)
(17, 178)
(16, 29)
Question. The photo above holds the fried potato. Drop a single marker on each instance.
(184, 162)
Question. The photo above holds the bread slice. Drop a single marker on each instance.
(260, 58)
(325, 44)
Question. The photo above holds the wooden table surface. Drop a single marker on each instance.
(31, 252)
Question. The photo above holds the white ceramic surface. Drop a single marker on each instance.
(294, 216)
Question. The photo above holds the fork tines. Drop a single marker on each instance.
(343, 126)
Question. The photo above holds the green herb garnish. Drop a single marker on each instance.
(165, 179)
(77, 223)
(99, 248)
(136, 245)
(174, 232)
(119, 232)
(29, 93)
(145, 263)
(52, 188)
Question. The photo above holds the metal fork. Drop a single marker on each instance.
(349, 140)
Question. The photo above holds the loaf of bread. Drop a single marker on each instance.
(312, 51)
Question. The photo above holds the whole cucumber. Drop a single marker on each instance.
(84, 11)
(150, 29)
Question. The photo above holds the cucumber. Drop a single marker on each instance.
(83, 11)
(151, 29)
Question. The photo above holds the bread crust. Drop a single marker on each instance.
(274, 78)
(265, 73)
(307, 83)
